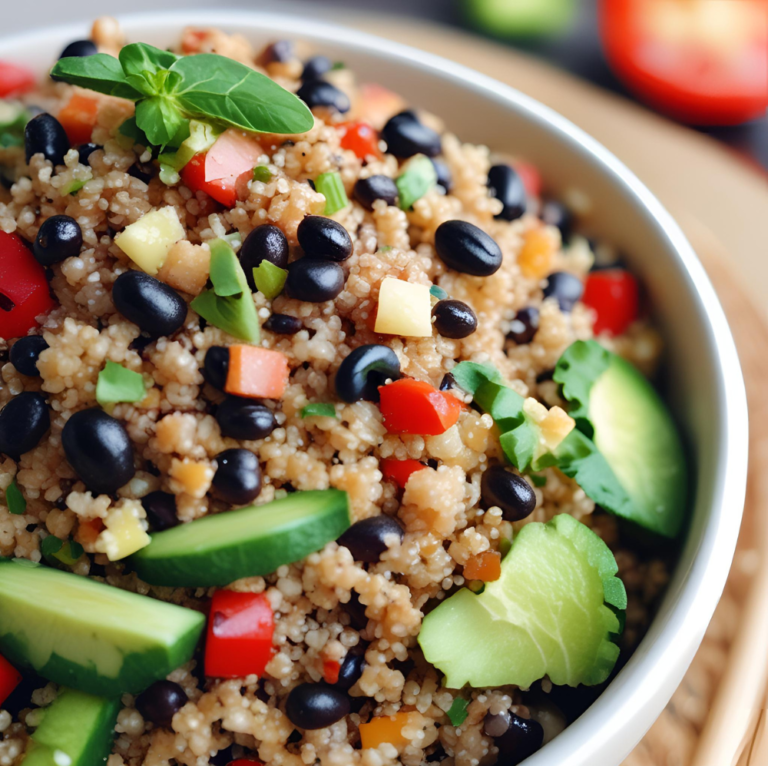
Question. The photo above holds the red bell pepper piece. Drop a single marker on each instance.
(244, 762)
(15, 79)
(613, 294)
(331, 670)
(9, 679)
(239, 640)
(399, 471)
(222, 190)
(24, 291)
(530, 176)
(414, 407)
(359, 137)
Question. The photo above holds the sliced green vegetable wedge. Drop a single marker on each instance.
(552, 613)
(88, 635)
(219, 549)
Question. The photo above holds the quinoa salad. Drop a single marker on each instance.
(325, 437)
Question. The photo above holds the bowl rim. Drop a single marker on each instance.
(663, 653)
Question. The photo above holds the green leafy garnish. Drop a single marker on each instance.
(225, 269)
(438, 292)
(118, 384)
(538, 480)
(269, 279)
(169, 89)
(261, 173)
(13, 118)
(50, 545)
(14, 499)
(63, 552)
(331, 187)
(457, 713)
(73, 187)
(418, 178)
(200, 136)
(318, 409)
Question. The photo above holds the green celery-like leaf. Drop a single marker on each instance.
(160, 118)
(138, 58)
(457, 713)
(226, 271)
(269, 279)
(469, 376)
(118, 384)
(318, 409)
(332, 188)
(418, 178)
(14, 499)
(50, 545)
(99, 72)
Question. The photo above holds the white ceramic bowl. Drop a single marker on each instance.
(705, 383)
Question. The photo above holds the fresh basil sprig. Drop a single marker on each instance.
(169, 89)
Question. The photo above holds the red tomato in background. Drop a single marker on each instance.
(14, 79)
(614, 296)
(702, 61)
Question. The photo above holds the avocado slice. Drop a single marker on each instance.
(553, 612)
(219, 549)
(88, 635)
(76, 730)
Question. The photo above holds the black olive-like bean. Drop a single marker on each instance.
(23, 422)
(524, 326)
(556, 214)
(84, 152)
(448, 382)
(99, 450)
(160, 702)
(314, 280)
(25, 352)
(521, 740)
(406, 135)
(322, 237)
(245, 419)
(510, 492)
(444, 177)
(79, 48)
(505, 184)
(222, 757)
(279, 51)
(351, 669)
(364, 370)
(282, 324)
(464, 247)
(316, 93)
(264, 243)
(495, 725)
(356, 611)
(316, 706)
(238, 477)
(454, 319)
(368, 190)
(216, 366)
(149, 303)
(144, 171)
(161, 510)
(58, 238)
(316, 67)
(367, 539)
(44, 135)
(567, 288)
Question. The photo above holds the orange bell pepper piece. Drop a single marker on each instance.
(385, 728)
(255, 372)
(485, 566)
(78, 118)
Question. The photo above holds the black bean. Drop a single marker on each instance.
(279, 51)
(25, 353)
(245, 419)
(524, 326)
(466, 248)
(44, 135)
(364, 370)
(494, 725)
(406, 135)
(216, 366)
(505, 184)
(314, 280)
(556, 214)
(367, 539)
(99, 450)
(368, 190)
(316, 67)
(264, 243)
(564, 286)
(161, 510)
(149, 303)
(322, 237)
(315, 706)
(510, 492)
(522, 739)
(238, 477)
(454, 319)
(58, 238)
(161, 702)
(222, 757)
(356, 611)
(144, 171)
(79, 48)
(316, 93)
(351, 669)
(282, 324)
(23, 422)
(448, 382)
(444, 177)
(85, 151)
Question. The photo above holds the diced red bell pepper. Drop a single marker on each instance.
(15, 79)
(359, 137)
(9, 679)
(614, 296)
(399, 471)
(78, 118)
(530, 176)
(222, 190)
(331, 670)
(244, 762)
(24, 291)
(239, 639)
(414, 407)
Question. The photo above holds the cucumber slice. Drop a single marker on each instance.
(511, 18)
(93, 637)
(553, 612)
(219, 549)
(76, 730)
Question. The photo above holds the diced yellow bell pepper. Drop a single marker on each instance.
(125, 531)
(147, 241)
(404, 309)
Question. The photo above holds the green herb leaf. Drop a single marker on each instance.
(99, 72)
(318, 409)
(73, 187)
(69, 553)
(469, 376)
(140, 58)
(418, 178)
(130, 129)
(457, 713)
(14, 499)
(225, 269)
(331, 187)
(538, 480)
(438, 292)
(269, 279)
(159, 117)
(118, 384)
(261, 173)
(50, 545)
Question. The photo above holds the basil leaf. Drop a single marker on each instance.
(226, 90)
(138, 58)
(132, 130)
(159, 117)
(99, 72)
(318, 409)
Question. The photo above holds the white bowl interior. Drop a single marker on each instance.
(705, 385)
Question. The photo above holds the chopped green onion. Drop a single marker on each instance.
(261, 173)
(118, 384)
(438, 292)
(331, 187)
(318, 409)
(14, 499)
(269, 279)
(73, 187)
(538, 480)
(416, 180)
(225, 269)
(458, 711)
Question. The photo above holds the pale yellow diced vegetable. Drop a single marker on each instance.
(126, 530)
(554, 425)
(405, 309)
(186, 267)
(191, 477)
(147, 241)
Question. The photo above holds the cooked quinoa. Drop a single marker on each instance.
(327, 607)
